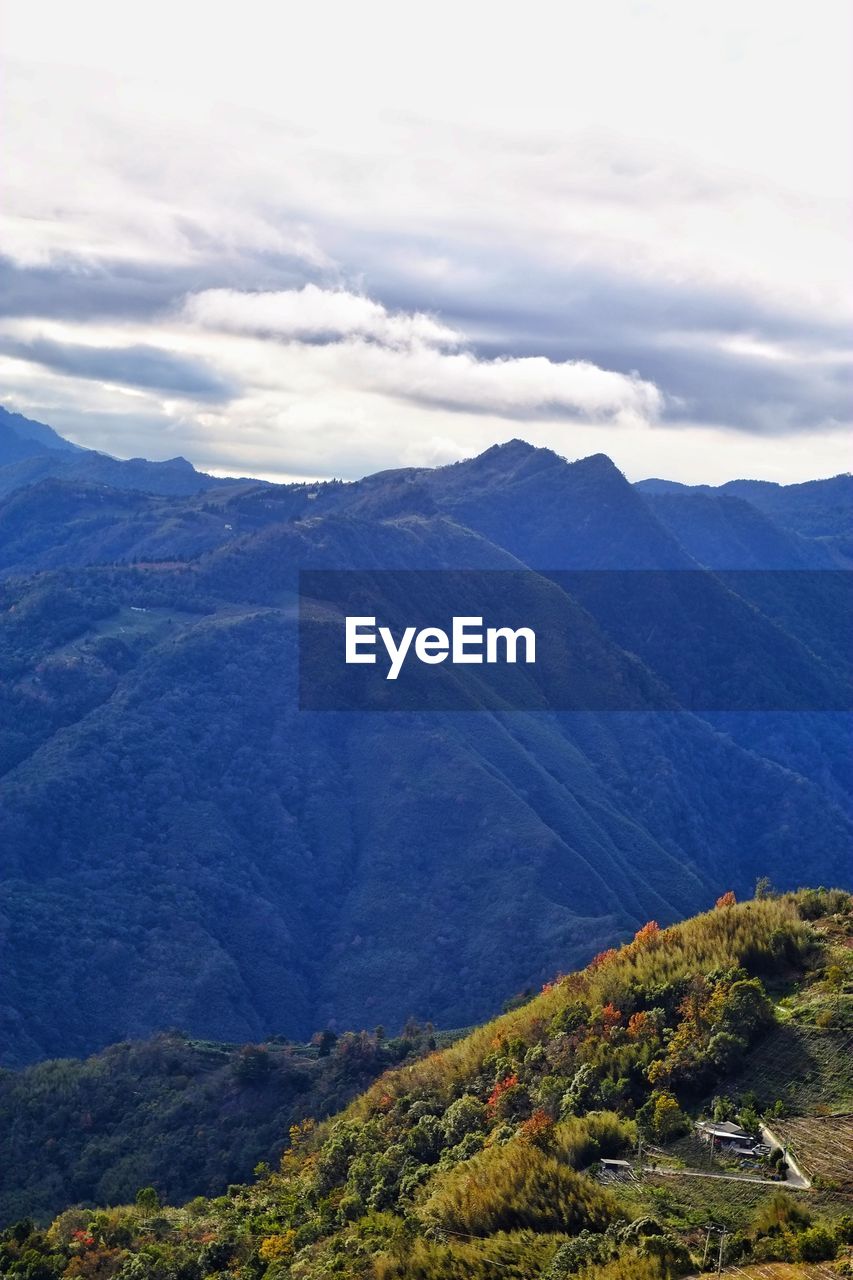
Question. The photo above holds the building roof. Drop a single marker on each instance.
(723, 1129)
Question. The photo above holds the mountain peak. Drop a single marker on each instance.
(597, 462)
(508, 448)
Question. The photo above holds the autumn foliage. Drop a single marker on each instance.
(647, 934)
(501, 1088)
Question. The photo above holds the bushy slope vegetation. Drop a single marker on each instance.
(481, 1159)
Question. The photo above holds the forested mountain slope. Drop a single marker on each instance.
(188, 1116)
(485, 1158)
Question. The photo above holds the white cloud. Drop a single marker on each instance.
(404, 355)
(311, 312)
(508, 386)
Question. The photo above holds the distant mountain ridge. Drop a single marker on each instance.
(740, 525)
(24, 437)
(815, 516)
(31, 451)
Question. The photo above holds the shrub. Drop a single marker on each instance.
(581, 1140)
(466, 1115)
(513, 1187)
(780, 1212)
(816, 1244)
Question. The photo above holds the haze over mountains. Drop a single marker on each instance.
(183, 846)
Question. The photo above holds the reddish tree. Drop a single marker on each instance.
(502, 1087)
(610, 1019)
(538, 1128)
(638, 1026)
(727, 899)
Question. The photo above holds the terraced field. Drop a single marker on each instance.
(782, 1271)
(821, 1145)
(694, 1202)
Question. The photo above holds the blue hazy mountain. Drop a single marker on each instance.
(31, 451)
(791, 526)
(182, 846)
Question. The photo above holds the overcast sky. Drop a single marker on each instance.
(310, 239)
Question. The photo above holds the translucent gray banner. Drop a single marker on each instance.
(638, 640)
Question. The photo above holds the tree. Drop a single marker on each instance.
(147, 1200)
(253, 1064)
(609, 1020)
(724, 1049)
(835, 983)
(647, 934)
(324, 1041)
(722, 1108)
(816, 1244)
(466, 1115)
(664, 1116)
(580, 1093)
(726, 899)
(638, 1025)
(745, 1008)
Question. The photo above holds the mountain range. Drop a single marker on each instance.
(184, 847)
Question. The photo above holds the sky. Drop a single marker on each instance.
(309, 240)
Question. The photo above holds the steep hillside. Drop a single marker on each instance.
(55, 523)
(203, 854)
(816, 508)
(21, 437)
(486, 1158)
(721, 531)
(554, 514)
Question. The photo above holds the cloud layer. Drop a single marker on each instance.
(328, 241)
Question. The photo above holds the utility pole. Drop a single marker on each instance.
(707, 1242)
(720, 1258)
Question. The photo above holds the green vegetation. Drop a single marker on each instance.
(187, 1116)
(483, 1158)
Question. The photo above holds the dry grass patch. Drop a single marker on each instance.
(821, 1145)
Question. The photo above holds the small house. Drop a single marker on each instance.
(726, 1136)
